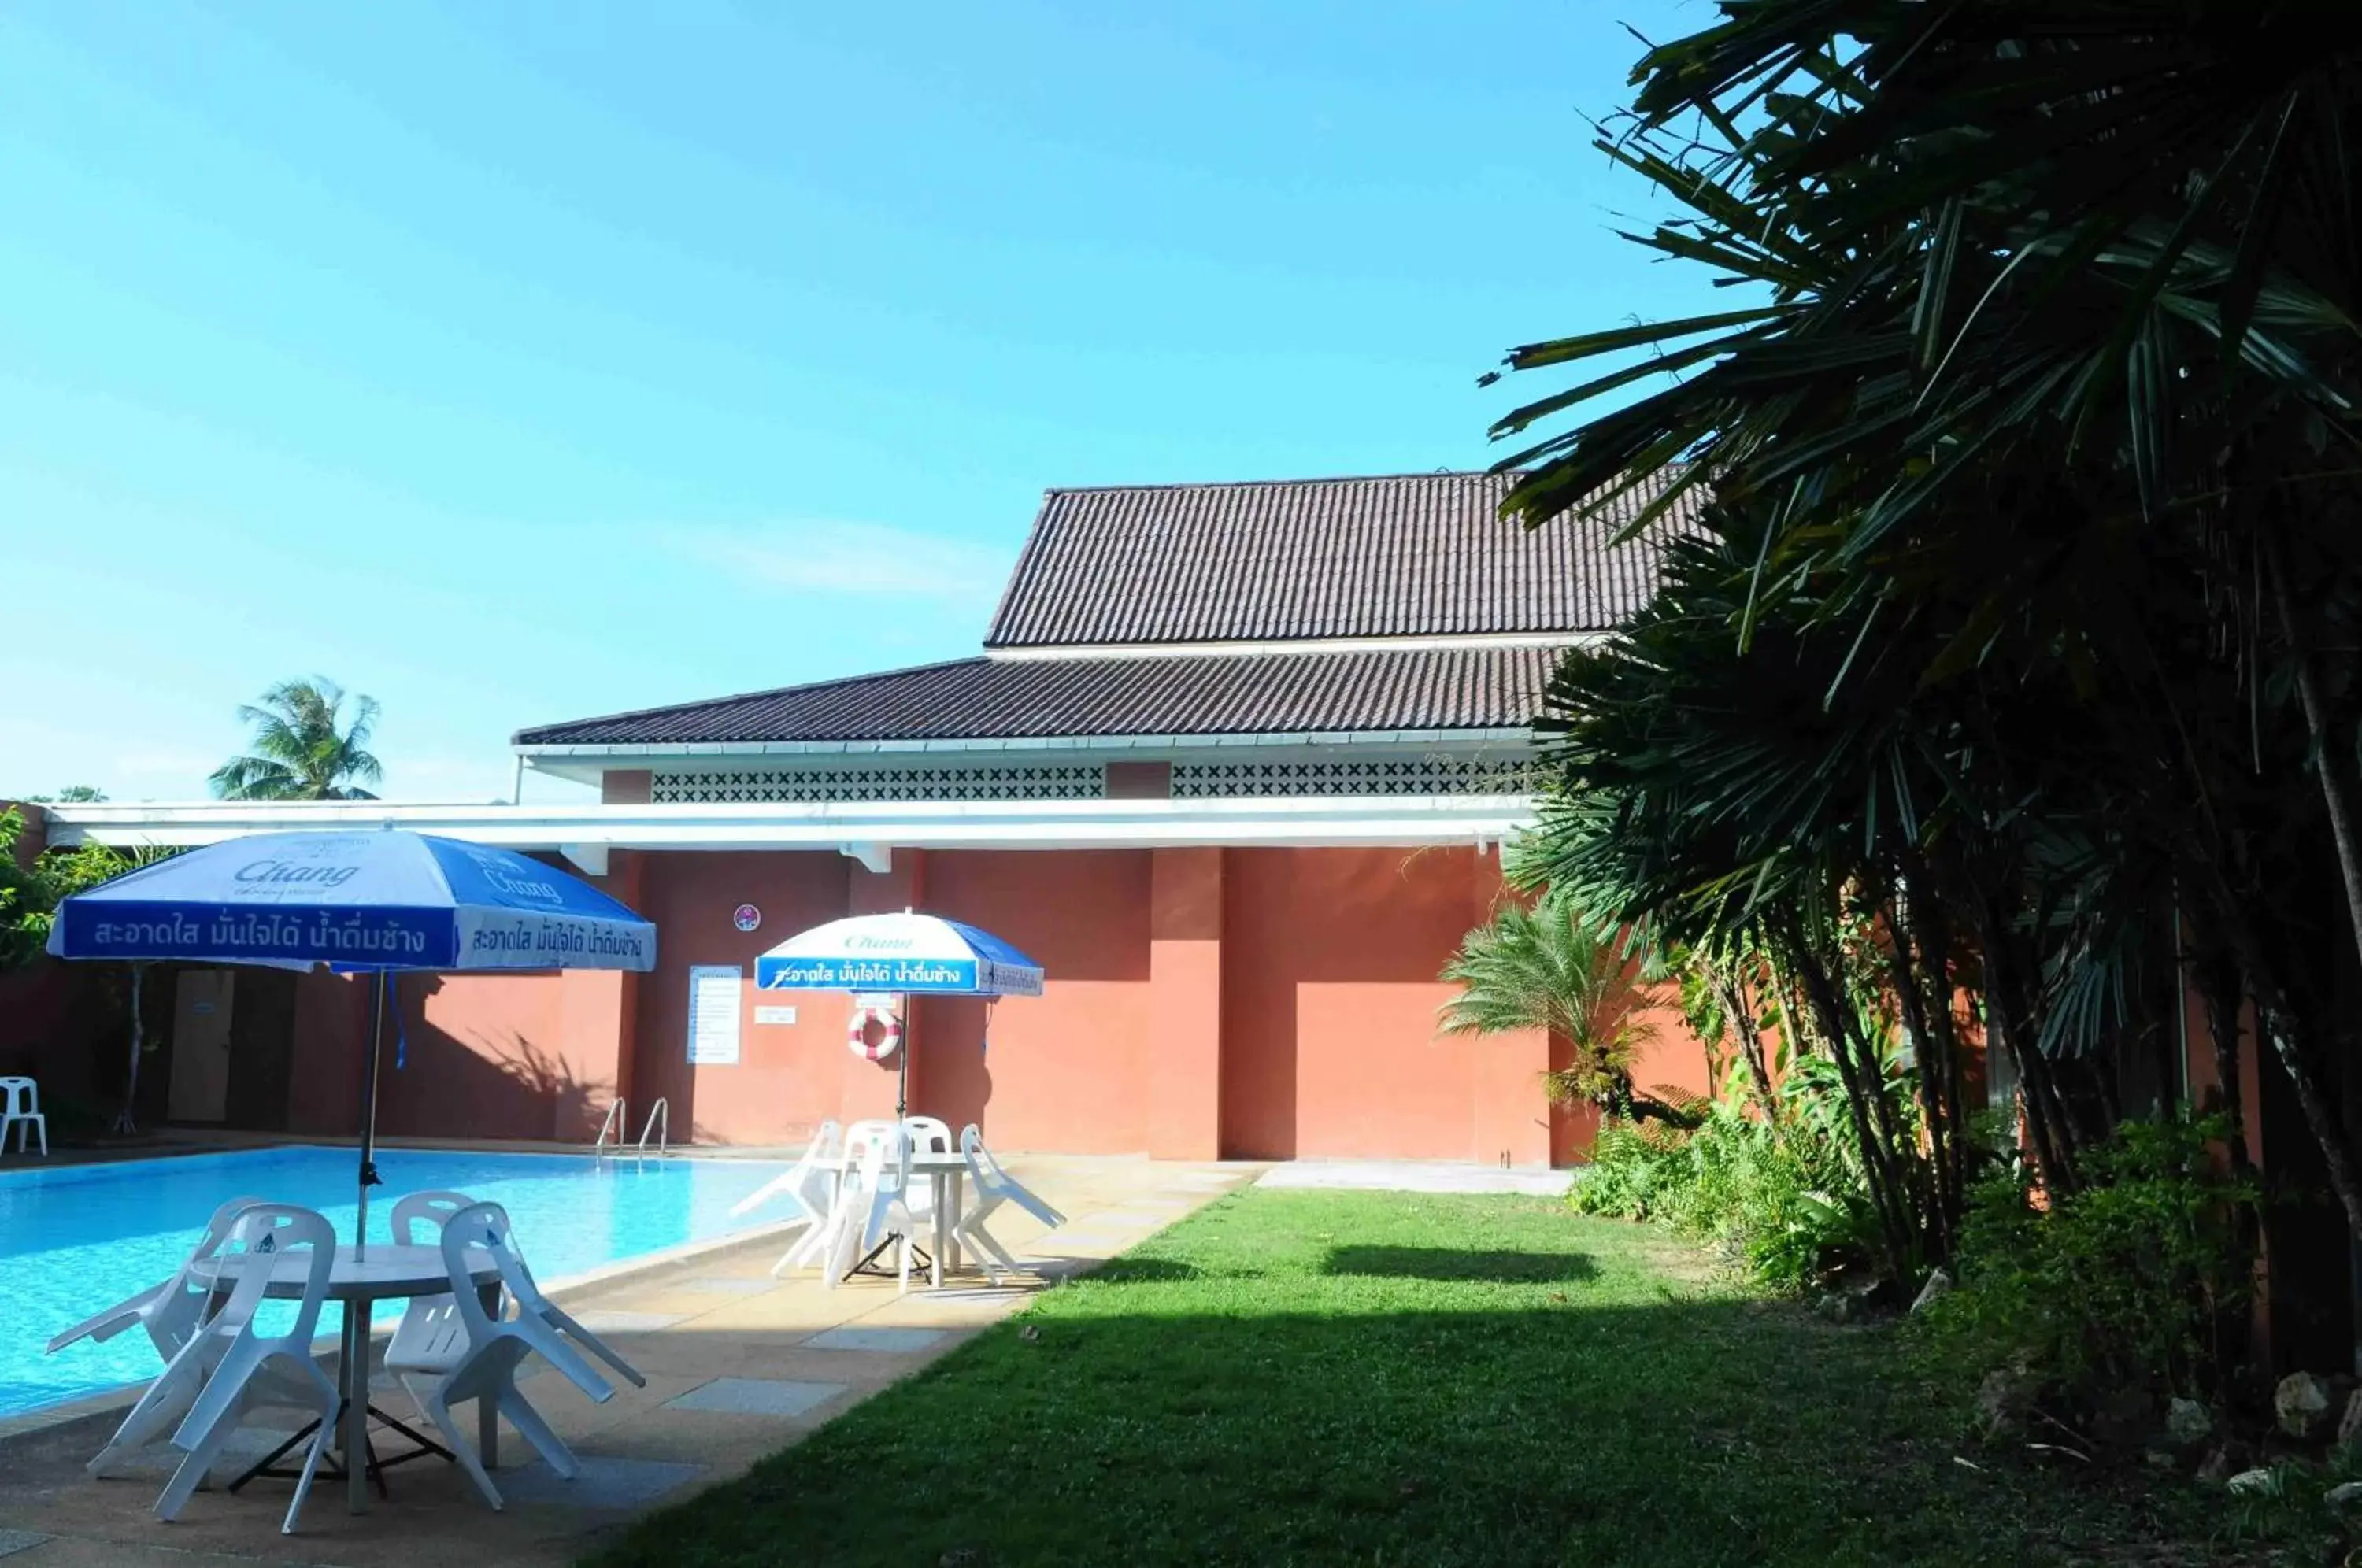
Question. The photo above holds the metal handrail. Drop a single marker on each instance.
(659, 1115)
(615, 1124)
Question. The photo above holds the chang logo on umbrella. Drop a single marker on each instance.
(519, 888)
(280, 872)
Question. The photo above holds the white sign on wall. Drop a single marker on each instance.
(765, 1013)
(714, 1013)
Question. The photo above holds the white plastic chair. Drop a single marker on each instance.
(170, 1313)
(461, 1353)
(418, 1219)
(529, 1302)
(896, 1206)
(414, 1210)
(930, 1135)
(20, 1107)
(992, 1187)
(241, 1368)
(810, 1185)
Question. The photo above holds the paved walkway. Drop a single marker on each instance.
(1418, 1176)
(738, 1365)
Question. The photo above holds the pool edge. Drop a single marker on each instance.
(123, 1395)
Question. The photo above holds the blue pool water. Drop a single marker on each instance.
(77, 1239)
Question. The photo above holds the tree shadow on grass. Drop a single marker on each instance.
(1455, 1264)
(1678, 1434)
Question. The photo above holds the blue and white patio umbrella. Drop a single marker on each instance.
(375, 903)
(360, 902)
(906, 953)
(903, 953)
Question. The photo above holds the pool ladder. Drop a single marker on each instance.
(657, 1126)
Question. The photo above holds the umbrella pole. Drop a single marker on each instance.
(368, 1177)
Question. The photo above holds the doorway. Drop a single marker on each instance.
(202, 1004)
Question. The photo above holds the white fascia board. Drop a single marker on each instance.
(1308, 646)
(612, 754)
(859, 828)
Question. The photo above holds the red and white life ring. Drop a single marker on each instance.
(857, 1038)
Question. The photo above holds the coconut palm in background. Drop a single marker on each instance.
(300, 752)
(1545, 968)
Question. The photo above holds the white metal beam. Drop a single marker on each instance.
(855, 827)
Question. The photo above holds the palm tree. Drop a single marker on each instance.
(1547, 968)
(2033, 440)
(299, 753)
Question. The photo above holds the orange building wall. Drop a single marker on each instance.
(1267, 1003)
(790, 1077)
(1065, 1070)
(1328, 1009)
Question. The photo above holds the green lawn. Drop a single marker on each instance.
(1301, 1377)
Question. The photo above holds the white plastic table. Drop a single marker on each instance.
(359, 1279)
(946, 1172)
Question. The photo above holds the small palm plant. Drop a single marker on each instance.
(1546, 967)
(299, 753)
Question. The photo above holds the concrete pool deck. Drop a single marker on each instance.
(738, 1365)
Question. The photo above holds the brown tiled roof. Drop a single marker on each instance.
(1407, 556)
(1451, 688)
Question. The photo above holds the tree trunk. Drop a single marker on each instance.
(1937, 1107)
(2045, 1122)
(2342, 828)
(127, 1122)
(1730, 995)
(1888, 1189)
(2217, 976)
(1931, 935)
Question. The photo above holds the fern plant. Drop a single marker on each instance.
(1546, 967)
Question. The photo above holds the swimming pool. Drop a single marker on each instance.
(77, 1239)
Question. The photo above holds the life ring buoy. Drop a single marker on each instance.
(856, 1036)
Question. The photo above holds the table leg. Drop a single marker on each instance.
(952, 1242)
(488, 1414)
(352, 1375)
(943, 1228)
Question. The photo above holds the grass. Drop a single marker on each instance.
(1319, 1377)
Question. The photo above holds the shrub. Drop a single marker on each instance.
(1785, 1203)
(2122, 1285)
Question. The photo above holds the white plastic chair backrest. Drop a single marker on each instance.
(19, 1096)
(171, 1309)
(981, 1166)
(263, 1235)
(484, 1227)
(929, 1133)
(990, 1178)
(862, 1139)
(814, 1171)
(413, 1209)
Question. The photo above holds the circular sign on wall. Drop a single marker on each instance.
(746, 917)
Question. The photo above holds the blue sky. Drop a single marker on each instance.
(513, 363)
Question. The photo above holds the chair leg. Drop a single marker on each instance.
(536, 1431)
(41, 1124)
(987, 1242)
(320, 1441)
(197, 1466)
(158, 1410)
(787, 1259)
(438, 1410)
